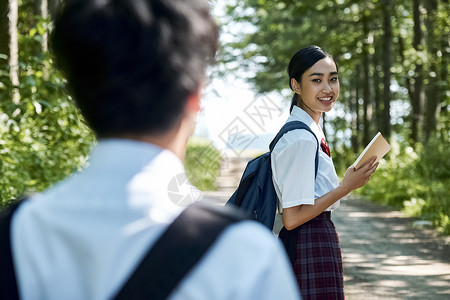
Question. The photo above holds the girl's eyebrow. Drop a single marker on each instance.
(321, 74)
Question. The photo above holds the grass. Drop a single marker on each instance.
(202, 164)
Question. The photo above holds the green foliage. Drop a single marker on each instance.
(416, 181)
(202, 164)
(343, 158)
(42, 138)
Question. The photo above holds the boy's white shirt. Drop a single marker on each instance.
(84, 237)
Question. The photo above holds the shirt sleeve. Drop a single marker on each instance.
(293, 169)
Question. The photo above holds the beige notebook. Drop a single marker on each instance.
(377, 147)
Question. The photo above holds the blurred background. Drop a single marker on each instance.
(393, 58)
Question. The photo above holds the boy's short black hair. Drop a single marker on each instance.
(131, 64)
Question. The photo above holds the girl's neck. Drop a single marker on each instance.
(313, 114)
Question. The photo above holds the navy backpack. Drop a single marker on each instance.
(256, 194)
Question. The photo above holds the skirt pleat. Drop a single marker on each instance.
(317, 263)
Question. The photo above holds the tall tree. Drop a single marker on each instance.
(417, 95)
(41, 9)
(13, 17)
(445, 68)
(387, 63)
(432, 94)
(4, 33)
(367, 106)
(377, 76)
(354, 108)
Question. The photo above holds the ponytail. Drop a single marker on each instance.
(293, 102)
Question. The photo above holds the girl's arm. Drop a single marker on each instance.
(353, 179)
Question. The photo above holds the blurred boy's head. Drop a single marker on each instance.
(132, 64)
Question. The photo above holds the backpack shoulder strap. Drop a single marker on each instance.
(291, 126)
(181, 246)
(8, 286)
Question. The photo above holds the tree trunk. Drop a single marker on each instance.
(355, 116)
(387, 63)
(445, 103)
(432, 95)
(356, 138)
(376, 87)
(41, 9)
(44, 14)
(418, 96)
(4, 32)
(367, 105)
(14, 49)
(444, 78)
(409, 83)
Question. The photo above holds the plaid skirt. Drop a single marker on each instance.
(316, 258)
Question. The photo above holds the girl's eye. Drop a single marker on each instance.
(316, 80)
(334, 79)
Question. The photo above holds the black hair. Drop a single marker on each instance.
(301, 62)
(131, 64)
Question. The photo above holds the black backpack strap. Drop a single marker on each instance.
(8, 280)
(291, 126)
(181, 246)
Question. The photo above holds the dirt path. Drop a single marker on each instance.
(384, 256)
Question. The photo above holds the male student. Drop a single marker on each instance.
(135, 69)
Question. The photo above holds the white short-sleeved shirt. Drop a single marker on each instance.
(82, 238)
(293, 165)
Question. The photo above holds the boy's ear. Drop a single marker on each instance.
(193, 102)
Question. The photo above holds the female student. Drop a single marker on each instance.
(307, 200)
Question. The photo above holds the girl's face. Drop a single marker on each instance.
(318, 88)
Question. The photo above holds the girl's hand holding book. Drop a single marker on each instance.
(356, 178)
